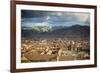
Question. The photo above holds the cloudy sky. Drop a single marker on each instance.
(30, 18)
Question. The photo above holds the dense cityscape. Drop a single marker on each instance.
(40, 50)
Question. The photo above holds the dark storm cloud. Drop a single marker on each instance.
(53, 18)
(31, 13)
(35, 19)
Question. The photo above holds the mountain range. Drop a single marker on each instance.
(75, 31)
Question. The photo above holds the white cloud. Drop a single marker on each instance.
(81, 16)
(59, 14)
(41, 24)
(48, 17)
